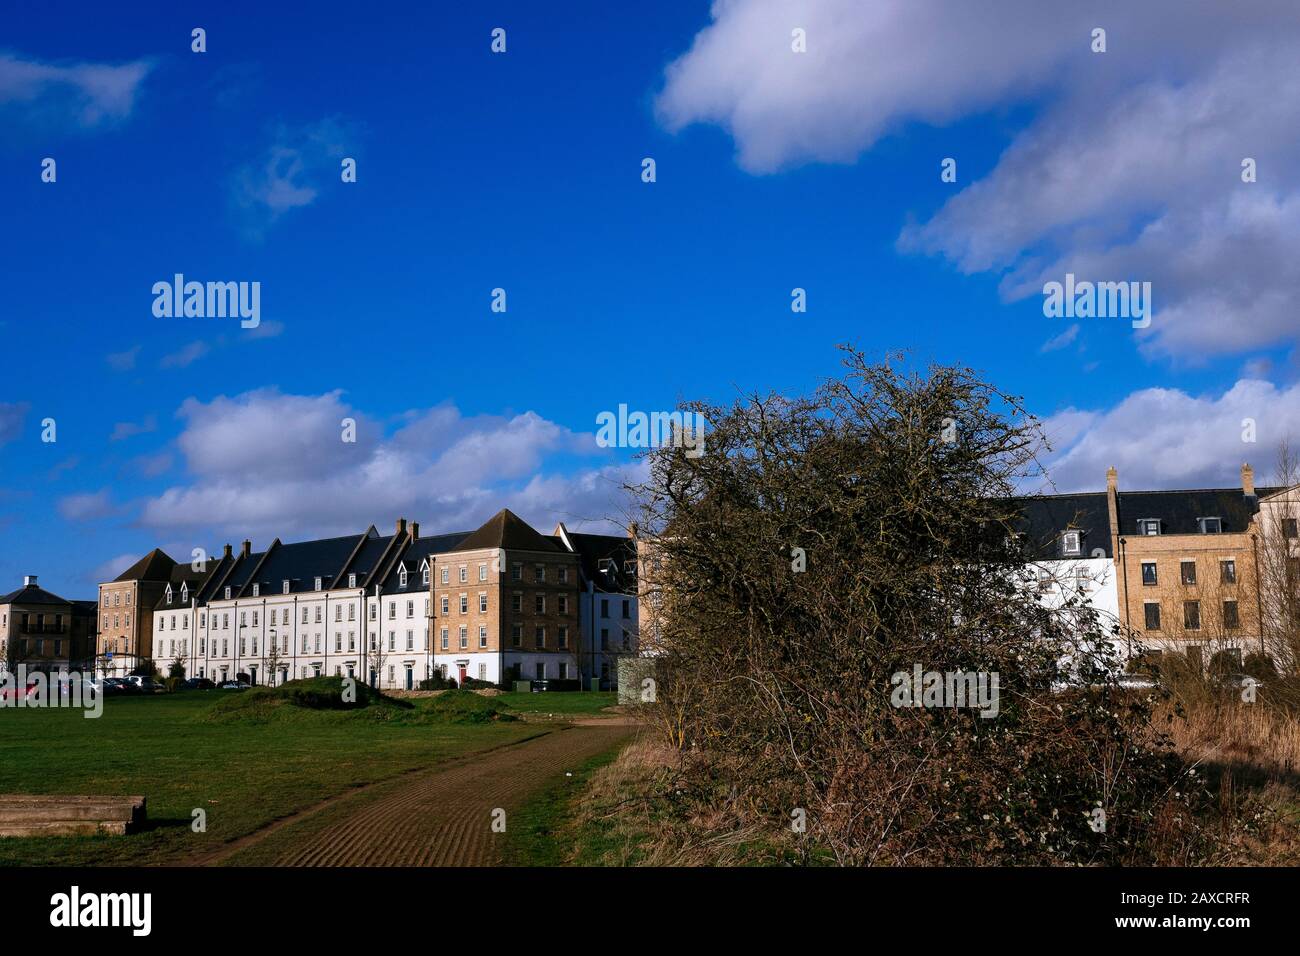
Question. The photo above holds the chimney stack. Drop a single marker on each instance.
(1248, 480)
(246, 548)
(227, 550)
(415, 531)
(1112, 479)
(401, 527)
(29, 580)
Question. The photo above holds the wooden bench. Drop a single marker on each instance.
(30, 814)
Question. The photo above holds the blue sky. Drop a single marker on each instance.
(522, 171)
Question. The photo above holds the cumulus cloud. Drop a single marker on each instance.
(1166, 438)
(268, 463)
(1129, 169)
(88, 94)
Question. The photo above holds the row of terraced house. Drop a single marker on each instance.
(501, 603)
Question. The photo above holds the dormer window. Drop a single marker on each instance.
(1211, 525)
(401, 576)
(169, 594)
(185, 592)
(352, 580)
(257, 590)
(227, 593)
(424, 575)
(317, 580)
(1070, 542)
(284, 586)
(1149, 526)
(606, 565)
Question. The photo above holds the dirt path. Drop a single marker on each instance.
(441, 817)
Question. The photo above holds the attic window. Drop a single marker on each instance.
(1211, 525)
(227, 593)
(352, 580)
(317, 584)
(185, 592)
(401, 577)
(606, 565)
(284, 586)
(257, 590)
(1149, 526)
(424, 575)
(1070, 542)
(169, 594)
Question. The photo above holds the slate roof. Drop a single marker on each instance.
(1178, 511)
(414, 555)
(32, 594)
(591, 548)
(157, 565)
(302, 562)
(1040, 520)
(505, 529)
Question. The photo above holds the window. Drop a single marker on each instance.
(516, 635)
(352, 580)
(1230, 615)
(604, 607)
(401, 577)
(464, 604)
(482, 636)
(482, 603)
(541, 572)
(227, 593)
(444, 638)
(1152, 615)
(410, 609)
(1188, 570)
(257, 589)
(284, 586)
(540, 671)
(482, 672)
(562, 637)
(516, 572)
(604, 638)
(562, 604)
(352, 640)
(539, 603)
(464, 574)
(444, 605)
(517, 602)
(284, 618)
(482, 572)
(445, 575)
(627, 610)
(392, 610)
(374, 610)
(1149, 526)
(464, 637)
(317, 583)
(1070, 542)
(1228, 572)
(1289, 527)
(424, 575)
(352, 612)
(1192, 615)
(338, 613)
(392, 640)
(539, 637)
(564, 575)
(410, 640)
(1210, 525)
(1149, 576)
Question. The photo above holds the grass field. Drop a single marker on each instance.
(573, 704)
(244, 773)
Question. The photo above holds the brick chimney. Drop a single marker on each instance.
(401, 527)
(29, 580)
(415, 531)
(228, 551)
(1248, 480)
(246, 548)
(1112, 479)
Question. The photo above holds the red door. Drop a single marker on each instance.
(462, 674)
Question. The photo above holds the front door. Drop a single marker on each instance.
(410, 678)
(461, 668)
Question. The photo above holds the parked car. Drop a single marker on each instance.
(13, 694)
(555, 684)
(234, 685)
(198, 683)
(119, 685)
(1234, 681)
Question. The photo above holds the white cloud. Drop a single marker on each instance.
(292, 170)
(1166, 438)
(123, 430)
(1128, 169)
(86, 93)
(112, 568)
(86, 507)
(1061, 341)
(266, 463)
(186, 356)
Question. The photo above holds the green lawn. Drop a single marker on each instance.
(245, 774)
(553, 702)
